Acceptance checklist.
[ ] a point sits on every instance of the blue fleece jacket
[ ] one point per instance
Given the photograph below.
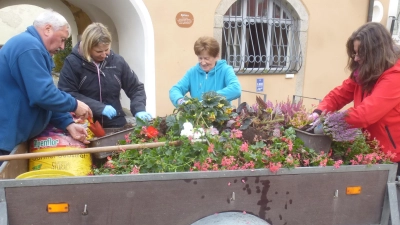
(221, 79)
(29, 100)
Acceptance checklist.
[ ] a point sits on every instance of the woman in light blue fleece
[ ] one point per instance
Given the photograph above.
(210, 74)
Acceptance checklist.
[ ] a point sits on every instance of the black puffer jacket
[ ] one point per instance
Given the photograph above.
(80, 78)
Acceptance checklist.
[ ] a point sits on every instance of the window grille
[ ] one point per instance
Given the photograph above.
(261, 36)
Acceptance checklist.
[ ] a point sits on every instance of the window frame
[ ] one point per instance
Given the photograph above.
(241, 42)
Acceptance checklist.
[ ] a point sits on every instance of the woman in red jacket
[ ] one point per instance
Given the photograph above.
(373, 85)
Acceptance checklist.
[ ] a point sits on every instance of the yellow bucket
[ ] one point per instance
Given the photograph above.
(46, 173)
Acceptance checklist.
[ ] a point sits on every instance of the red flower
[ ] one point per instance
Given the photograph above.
(151, 132)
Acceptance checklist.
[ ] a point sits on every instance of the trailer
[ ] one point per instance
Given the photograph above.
(349, 195)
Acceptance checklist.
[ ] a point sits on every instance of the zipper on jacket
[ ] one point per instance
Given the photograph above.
(390, 137)
(119, 82)
(82, 81)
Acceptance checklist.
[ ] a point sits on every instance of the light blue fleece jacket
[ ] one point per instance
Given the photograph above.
(221, 79)
(29, 100)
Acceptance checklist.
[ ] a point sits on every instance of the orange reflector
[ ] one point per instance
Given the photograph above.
(58, 208)
(355, 190)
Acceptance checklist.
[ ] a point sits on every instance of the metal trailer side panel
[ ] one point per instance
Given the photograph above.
(299, 196)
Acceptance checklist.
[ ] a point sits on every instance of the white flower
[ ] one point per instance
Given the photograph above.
(188, 126)
(187, 130)
(198, 133)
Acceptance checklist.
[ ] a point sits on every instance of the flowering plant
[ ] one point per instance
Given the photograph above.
(212, 136)
(213, 111)
(361, 150)
(226, 151)
(335, 126)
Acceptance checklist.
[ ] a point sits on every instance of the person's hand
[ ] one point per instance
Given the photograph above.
(143, 116)
(109, 111)
(83, 111)
(181, 101)
(314, 116)
(78, 132)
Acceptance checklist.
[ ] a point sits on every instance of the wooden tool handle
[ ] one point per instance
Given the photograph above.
(86, 150)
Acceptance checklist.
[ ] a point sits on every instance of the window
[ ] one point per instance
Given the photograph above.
(261, 36)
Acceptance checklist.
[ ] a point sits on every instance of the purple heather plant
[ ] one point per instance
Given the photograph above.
(287, 109)
(268, 103)
(337, 128)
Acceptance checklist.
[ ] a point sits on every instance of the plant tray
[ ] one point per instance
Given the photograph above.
(318, 142)
(113, 135)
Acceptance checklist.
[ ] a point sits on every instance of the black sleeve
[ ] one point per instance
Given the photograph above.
(134, 89)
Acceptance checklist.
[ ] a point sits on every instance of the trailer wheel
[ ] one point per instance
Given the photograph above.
(231, 218)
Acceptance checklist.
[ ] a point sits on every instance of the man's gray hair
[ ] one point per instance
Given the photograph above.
(55, 19)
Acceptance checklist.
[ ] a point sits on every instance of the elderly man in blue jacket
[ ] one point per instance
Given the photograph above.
(29, 100)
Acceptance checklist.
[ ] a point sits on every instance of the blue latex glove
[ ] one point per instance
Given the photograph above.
(144, 116)
(109, 111)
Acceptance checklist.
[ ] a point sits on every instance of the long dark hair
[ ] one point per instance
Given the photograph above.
(377, 52)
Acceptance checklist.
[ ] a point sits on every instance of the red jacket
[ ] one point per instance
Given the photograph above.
(377, 112)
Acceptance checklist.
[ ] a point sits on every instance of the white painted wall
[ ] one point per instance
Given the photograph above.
(26, 4)
(15, 19)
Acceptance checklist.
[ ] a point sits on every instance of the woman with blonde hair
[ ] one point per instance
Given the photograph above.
(94, 74)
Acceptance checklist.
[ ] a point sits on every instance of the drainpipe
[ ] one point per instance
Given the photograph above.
(370, 10)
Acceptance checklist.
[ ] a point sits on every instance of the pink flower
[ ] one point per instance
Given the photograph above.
(227, 161)
(210, 148)
(127, 140)
(135, 170)
(289, 159)
(353, 162)
(236, 133)
(323, 162)
(213, 131)
(338, 163)
(306, 162)
(205, 166)
(196, 165)
(215, 167)
(244, 147)
(274, 167)
(109, 164)
(359, 157)
(290, 144)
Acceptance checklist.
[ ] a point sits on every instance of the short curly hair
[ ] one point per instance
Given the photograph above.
(208, 44)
